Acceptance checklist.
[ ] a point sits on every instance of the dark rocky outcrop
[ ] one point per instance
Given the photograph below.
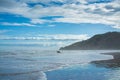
(111, 63)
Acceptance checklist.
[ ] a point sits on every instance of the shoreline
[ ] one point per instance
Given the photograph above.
(111, 63)
(94, 70)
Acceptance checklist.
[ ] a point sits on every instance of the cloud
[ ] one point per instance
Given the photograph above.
(46, 40)
(52, 37)
(4, 31)
(38, 21)
(17, 24)
(74, 11)
(51, 25)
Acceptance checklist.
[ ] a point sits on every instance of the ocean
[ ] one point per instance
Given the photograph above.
(38, 60)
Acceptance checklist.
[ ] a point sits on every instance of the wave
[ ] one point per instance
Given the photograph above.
(40, 75)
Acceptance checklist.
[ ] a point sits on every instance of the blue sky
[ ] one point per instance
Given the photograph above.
(29, 18)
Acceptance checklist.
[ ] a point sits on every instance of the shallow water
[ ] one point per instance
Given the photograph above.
(84, 72)
(33, 63)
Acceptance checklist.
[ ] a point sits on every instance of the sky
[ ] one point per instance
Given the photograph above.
(58, 19)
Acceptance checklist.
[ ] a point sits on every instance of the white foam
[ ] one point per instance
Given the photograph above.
(42, 76)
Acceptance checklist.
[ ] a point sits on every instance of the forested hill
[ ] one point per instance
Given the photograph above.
(110, 40)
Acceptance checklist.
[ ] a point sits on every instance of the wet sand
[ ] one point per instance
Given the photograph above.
(111, 63)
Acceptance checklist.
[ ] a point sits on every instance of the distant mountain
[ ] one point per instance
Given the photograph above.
(110, 40)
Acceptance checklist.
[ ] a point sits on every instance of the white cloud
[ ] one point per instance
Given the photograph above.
(38, 21)
(52, 37)
(65, 36)
(51, 25)
(17, 24)
(46, 40)
(4, 31)
(74, 11)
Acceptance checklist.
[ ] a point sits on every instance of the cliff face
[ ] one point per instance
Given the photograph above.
(110, 40)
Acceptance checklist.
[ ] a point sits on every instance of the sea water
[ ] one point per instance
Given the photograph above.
(28, 60)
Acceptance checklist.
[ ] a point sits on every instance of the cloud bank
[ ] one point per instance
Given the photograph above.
(44, 40)
(4, 31)
(74, 11)
(51, 37)
(17, 24)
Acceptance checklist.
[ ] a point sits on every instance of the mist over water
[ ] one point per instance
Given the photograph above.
(32, 60)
